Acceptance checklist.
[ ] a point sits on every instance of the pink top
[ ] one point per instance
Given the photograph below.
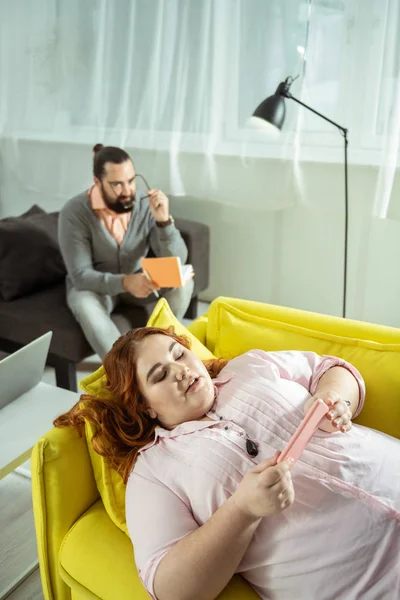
(116, 223)
(341, 537)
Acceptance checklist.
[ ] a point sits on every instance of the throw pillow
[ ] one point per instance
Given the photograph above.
(30, 257)
(109, 482)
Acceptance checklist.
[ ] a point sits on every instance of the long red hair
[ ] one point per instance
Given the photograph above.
(122, 424)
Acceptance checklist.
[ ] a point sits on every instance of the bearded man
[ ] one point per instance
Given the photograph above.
(103, 234)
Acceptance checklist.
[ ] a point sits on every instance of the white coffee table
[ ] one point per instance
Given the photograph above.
(22, 423)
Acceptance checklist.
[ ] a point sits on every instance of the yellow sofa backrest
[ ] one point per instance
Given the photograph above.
(236, 326)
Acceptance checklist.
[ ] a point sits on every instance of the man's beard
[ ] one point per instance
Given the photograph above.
(124, 204)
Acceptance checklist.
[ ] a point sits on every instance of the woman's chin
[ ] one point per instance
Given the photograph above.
(206, 406)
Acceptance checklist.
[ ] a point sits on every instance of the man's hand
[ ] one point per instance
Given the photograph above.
(159, 205)
(138, 285)
(339, 416)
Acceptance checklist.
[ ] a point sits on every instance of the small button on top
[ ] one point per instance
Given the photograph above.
(361, 495)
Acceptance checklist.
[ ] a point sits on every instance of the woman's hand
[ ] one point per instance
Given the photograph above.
(265, 489)
(339, 416)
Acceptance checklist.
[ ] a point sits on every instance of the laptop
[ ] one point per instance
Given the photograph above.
(23, 370)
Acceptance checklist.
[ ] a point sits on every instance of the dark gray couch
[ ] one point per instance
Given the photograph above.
(30, 312)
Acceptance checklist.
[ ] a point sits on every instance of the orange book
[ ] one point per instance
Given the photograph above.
(167, 272)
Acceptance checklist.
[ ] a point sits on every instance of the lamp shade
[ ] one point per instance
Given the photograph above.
(272, 110)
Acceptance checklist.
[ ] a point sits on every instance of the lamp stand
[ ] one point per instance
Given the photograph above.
(283, 90)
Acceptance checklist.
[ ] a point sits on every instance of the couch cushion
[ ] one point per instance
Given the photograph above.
(163, 317)
(30, 258)
(95, 554)
(109, 483)
(237, 331)
(302, 318)
(99, 556)
(24, 319)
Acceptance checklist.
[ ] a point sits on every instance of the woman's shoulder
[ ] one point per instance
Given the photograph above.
(247, 358)
(141, 471)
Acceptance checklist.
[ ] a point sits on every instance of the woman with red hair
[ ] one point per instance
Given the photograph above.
(197, 444)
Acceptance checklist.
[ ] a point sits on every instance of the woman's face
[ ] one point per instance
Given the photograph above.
(173, 380)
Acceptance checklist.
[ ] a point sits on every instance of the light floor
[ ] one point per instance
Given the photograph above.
(17, 534)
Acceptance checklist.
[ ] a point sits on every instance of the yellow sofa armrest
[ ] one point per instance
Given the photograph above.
(63, 488)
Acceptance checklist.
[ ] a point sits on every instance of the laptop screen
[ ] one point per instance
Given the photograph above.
(22, 370)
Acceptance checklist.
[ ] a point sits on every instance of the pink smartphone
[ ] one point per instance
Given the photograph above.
(304, 432)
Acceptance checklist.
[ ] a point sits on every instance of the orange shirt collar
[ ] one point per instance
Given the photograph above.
(96, 199)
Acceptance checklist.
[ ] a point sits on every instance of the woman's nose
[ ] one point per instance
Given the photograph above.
(181, 372)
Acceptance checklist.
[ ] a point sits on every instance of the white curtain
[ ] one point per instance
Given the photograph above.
(182, 77)
(387, 114)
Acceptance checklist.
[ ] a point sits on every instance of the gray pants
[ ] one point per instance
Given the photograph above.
(93, 312)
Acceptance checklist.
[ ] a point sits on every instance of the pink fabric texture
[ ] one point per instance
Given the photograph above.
(115, 223)
(341, 537)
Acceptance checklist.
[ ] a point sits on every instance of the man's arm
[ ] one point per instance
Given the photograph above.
(167, 241)
(76, 249)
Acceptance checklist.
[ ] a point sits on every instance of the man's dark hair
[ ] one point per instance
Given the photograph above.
(105, 154)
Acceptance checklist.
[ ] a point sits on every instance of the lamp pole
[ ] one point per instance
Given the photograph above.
(272, 110)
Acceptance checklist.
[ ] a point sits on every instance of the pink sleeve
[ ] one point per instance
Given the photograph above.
(307, 368)
(156, 519)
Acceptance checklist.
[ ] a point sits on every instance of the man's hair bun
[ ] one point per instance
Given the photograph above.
(97, 147)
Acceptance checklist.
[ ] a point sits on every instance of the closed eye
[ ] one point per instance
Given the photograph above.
(163, 376)
(164, 372)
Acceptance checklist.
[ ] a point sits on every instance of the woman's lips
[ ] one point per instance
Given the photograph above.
(195, 386)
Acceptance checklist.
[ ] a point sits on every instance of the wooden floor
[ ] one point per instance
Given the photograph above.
(17, 538)
(30, 589)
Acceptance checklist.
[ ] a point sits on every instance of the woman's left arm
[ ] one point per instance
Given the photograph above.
(329, 378)
(340, 390)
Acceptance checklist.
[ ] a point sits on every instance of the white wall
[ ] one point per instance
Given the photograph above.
(292, 257)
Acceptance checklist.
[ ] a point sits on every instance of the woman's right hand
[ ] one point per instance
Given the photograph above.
(265, 489)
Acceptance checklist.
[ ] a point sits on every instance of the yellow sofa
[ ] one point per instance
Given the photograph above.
(82, 554)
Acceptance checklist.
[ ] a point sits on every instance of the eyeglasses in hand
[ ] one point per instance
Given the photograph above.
(145, 183)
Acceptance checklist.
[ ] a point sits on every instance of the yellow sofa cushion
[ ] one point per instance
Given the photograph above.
(236, 331)
(97, 557)
(163, 317)
(109, 483)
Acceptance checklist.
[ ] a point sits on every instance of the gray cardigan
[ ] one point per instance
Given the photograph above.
(93, 258)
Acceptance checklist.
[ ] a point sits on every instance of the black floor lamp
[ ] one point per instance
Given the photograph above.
(273, 111)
